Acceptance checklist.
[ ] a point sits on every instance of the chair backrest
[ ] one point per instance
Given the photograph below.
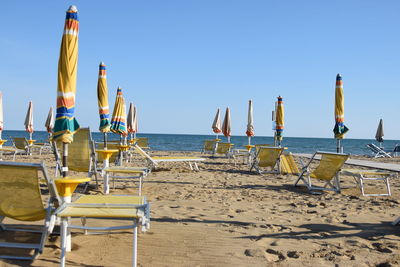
(268, 156)
(209, 145)
(374, 148)
(20, 142)
(80, 151)
(257, 146)
(288, 165)
(143, 142)
(223, 148)
(20, 194)
(329, 165)
(141, 152)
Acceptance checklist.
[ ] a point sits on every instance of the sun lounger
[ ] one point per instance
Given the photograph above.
(378, 152)
(11, 150)
(327, 171)
(369, 175)
(288, 165)
(267, 157)
(21, 199)
(154, 161)
(224, 149)
(22, 144)
(143, 142)
(210, 146)
(133, 208)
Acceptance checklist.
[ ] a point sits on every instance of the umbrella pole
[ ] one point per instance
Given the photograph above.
(229, 139)
(120, 150)
(380, 144)
(65, 160)
(339, 148)
(249, 138)
(105, 140)
(30, 136)
(0, 134)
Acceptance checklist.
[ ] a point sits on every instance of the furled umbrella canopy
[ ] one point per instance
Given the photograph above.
(340, 129)
(1, 114)
(102, 97)
(250, 125)
(66, 125)
(29, 120)
(379, 132)
(226, 125)
(216, 126)
(132, 122)
(49, 124)
(118, 120)
(280, 120)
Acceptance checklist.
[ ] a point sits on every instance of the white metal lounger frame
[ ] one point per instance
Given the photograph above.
(379, 152)
(361, 175)
(153, 162)
(144, 220)
(46, 229)
(142, 173)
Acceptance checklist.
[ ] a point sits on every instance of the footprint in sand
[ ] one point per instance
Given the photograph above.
(274, 255)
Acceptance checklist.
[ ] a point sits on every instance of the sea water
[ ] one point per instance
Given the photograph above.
(189, 142)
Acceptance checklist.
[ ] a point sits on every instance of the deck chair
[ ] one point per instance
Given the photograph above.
(22, 144)
(143, 142)
(327, 171)
(210, 146)
(11, 151)
(288, 165)
(154, 161)
(369, 175)
(114, 157)
(133, 208)
(267, 157)
(81, 156)
(379, 152)
(224, 149)
(21, 199)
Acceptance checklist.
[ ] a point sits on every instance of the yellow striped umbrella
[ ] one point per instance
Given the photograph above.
(102, 99)
(340, 129)
(66, 124)
(280, 120)
(118, 120)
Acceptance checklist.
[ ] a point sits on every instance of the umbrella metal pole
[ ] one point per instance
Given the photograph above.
(105, 140)
(30, 136)
(229, 139)
(65, 160)
(338, 146)
(249, 138)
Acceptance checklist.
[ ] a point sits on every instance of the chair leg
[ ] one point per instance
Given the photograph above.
(140, 185)
(134, 252)
(388, 186)
(64, 226)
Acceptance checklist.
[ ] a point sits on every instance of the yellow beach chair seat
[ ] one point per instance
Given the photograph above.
(209, 146)
(267, 157)
(327, 171)
(288, 165)
(225, 149)
(21, 199)
(143, 142)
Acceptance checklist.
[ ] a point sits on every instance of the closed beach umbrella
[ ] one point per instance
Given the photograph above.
(340, 129)
(118, 120)
(216, 126)
(29, 120)
(66, 125)
(280, 120)
(250, 126)
(226, 125)
(49, 124)
(379, 133)
(102, 100)
(132, 122)
(1, 114)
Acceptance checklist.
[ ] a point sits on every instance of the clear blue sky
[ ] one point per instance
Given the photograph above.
(178, 61)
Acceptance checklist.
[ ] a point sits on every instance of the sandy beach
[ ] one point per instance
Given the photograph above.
(225, 215)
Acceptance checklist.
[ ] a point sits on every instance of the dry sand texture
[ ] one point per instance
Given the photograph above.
(226, 216)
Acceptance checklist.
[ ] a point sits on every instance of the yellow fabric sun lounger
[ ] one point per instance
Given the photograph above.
(21, 199)
(288, 165)
(267, 157)
(133, 208)
(327, 171)
(153, 161)
(225, 149)
(210, 146)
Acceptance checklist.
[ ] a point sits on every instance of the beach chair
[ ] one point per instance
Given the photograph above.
(267, 157)
(21, 199)
(143, 142)
(21, 143)
(378, 152)
(11, 151)
(154, 161)
(225, 149)
(369, 175)
(135, 209)
(210, 146)
(327, 171)
(396, 150)
(288, 165)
